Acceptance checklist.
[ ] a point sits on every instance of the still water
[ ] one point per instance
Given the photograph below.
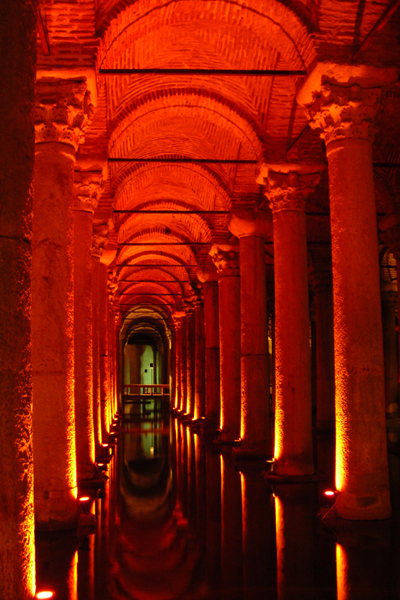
(179, 520)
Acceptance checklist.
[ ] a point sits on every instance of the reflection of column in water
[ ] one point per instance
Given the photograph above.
(184, 484)
(259, 558)
(85, 568)
(191, 477)
(294, 540)
(362, 561)
(57, 564)
(231, 530)
(200, 458)
(213, 520)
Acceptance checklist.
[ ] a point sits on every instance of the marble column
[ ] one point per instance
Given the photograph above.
(178, 319)
(60, 115)
(287, 187)
(325, 376)
(225, 258)
(199, 370)
(98, 241)
(252, 227)
(209, 279)
(87, 187)
(190, 357)
(17, 68)
(342, 104)
(389, 305)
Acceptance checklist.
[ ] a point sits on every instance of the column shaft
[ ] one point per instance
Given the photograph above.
(183, 369)
(255, 417)
(325, 357)
(229, 343)
(212, 358)
(103, 352)
(53, 338)
(190, 362)
(293, 430)
(96, 356)
(199, 385)
(17, 68)
(361, 460)
(83, 229)
(390, 352)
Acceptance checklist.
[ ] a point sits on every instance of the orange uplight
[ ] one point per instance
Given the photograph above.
(329, 493)
(84, 499)
(44, 594)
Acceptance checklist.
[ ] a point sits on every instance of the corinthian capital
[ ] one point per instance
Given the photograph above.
(288, 185)
(345, 112)
(225, 259)
(99, 239)
(343, 101)
(62, 110)
(88, 188)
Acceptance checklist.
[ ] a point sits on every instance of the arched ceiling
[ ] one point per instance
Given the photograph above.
(182, 148)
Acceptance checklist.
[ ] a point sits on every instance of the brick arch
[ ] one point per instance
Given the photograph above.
(167, 280)
(192, 185)
(207, 125)
(266, 19)
(181, 227)
(175, 255)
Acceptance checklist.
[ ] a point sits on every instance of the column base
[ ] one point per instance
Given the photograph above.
(357, 507)
(55, 510)
(248, 450)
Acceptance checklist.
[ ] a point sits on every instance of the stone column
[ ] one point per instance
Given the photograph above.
(208, 277)
(103, 351)
(389, 305)
(344, 107)
(87, 186)
(322, 284)
(190, 357)
(178, 319)
(17, 68)
(98, 241)
(251, 227)
(286, 187)
(61, 112)
(199, 370)
(225, 258)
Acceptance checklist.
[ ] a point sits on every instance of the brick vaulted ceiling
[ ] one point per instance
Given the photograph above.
(196, 116)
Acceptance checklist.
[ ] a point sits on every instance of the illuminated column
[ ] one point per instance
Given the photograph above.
(98, 241)
(322, 284)
(190, 357)
(87, 185)
(345, 114)
(17, 67)
(199, 373)
(60, 114)
(103, 351)
(183, 371)
(208, 277)
(286, 187)
(178, 319)
(225, 258)
(251, 227)
(389, 304)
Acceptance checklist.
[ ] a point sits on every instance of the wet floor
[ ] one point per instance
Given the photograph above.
(179, 520)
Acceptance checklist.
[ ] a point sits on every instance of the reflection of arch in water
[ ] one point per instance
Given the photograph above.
(154, 552)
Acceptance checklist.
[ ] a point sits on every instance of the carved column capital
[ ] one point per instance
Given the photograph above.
(343, 100)
(288, 185)
(62, 111)
(207, 273)
(177, 319)
(99, 240)
(250, 222)
(226, 259)
(345, 112)
(88, 186)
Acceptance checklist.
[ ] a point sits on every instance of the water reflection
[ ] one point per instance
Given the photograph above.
(179, 520)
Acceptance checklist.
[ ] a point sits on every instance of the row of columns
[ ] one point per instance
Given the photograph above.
(71, 392)
(345, 115)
